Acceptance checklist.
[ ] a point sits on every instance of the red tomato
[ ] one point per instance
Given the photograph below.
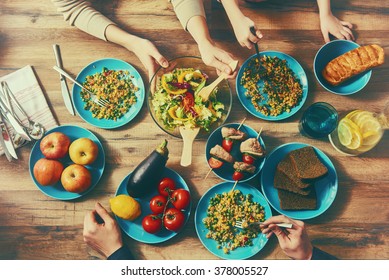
(227, 144)
(152, 223)
(174, 219)
(248, 159)
(214, 163)
(166, 186)
(237, 176)
(180, 199)
(188, 101)
(157, 204)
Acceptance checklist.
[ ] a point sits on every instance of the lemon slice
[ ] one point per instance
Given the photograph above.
(354, 113)
(359, 118)
(371, 138)
(356, 140)
(344, 133)
(369, 125)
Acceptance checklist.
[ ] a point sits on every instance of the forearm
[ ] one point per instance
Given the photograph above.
(187, 9)
(118, 36)
(324, 7)
(197, 27)
(84, 17)
(232, 9)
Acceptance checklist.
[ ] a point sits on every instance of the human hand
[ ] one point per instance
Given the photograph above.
(148, 54)
(218, 58)
(293, 241)
(329, 24)
(246, 32)
(104, 237)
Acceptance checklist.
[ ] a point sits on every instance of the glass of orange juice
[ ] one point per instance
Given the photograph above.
(359, 131)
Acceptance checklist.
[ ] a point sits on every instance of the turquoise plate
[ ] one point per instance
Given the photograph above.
(201, 212)
(327, 53)
(326, 188)
(225, 172)
(134, 228)
(296, 68)
(97, 67)
(96, 168)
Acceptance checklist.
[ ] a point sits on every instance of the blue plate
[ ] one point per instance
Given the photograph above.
(326, 187)
(327, 53)
(298, 71)
(134, 228)
(201, 213)
(96, 168)
(97, 67)
(225, 172)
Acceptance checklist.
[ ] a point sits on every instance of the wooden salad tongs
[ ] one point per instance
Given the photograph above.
(188, 136)
(206, 91)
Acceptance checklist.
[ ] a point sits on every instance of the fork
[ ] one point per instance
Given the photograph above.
(244, 224)
(99, 101)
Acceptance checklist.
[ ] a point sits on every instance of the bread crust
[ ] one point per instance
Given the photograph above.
(352, 63)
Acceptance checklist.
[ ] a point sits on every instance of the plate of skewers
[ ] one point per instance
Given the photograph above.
(235, 152)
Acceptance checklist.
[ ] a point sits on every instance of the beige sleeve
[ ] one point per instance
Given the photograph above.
(82, 15)
(186, 9)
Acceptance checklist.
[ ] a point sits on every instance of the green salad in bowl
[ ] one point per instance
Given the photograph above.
(173, 98)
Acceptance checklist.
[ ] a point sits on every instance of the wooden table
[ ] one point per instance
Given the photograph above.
(35, 226)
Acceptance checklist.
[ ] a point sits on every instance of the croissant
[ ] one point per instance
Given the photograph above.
(352, 63)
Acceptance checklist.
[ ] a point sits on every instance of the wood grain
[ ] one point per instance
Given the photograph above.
(35, 226)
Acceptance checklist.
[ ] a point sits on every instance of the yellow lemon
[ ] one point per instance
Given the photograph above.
(356, 140)
(125, 207)
(371, 138)
(369, 125)
(344, 133)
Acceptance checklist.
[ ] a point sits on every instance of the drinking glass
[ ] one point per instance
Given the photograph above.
(318, 120)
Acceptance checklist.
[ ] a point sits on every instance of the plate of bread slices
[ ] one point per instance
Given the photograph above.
(299, 181)
(344, 67)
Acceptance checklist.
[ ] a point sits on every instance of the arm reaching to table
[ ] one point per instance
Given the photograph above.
(86, 18)
(192, 17)
(104, 236)
(329, 24)
(241, 24)
(293, 241)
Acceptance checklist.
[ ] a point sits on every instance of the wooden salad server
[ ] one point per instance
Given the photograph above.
(188, 136)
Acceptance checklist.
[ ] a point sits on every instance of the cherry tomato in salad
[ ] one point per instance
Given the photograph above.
(173, 219)
(227, 144)
(237, 176)
(166, 186)
(214, 163)
(158, 203)
(188, 102)
(248, 159)
(180, 199)
(152, 223)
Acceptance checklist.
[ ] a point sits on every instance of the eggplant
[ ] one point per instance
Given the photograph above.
(146, 176)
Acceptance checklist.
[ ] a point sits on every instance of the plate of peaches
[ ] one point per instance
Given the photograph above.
(67, 162)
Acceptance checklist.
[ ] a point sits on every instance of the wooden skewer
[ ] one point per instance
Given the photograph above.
(259, 133)
(206, 176)
(236, 182)
(241, 123)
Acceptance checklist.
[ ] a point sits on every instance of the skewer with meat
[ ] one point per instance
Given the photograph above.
(230, 135)
(219, 156)
(241, 168)
(251, 149)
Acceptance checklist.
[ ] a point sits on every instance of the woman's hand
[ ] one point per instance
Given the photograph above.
(293, 241)
(217, 58)
(242, 29)
(329, 24)
(103, 236)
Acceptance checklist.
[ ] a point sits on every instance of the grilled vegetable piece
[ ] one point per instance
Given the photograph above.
(146, 176)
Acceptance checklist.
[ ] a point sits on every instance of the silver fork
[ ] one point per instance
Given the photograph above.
(99, 101)
(244, 224)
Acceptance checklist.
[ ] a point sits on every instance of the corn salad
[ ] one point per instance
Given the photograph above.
(223, 212)
(283, 88)
(116, 87)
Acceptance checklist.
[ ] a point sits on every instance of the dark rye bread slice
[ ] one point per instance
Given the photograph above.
(286, 167)
(281, 181)
(308, 166)
(293, 201)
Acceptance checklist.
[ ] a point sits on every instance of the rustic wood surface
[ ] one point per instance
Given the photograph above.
(35, 226)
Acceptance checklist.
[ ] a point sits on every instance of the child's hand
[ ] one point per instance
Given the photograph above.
(329, 24)
(243, 34)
